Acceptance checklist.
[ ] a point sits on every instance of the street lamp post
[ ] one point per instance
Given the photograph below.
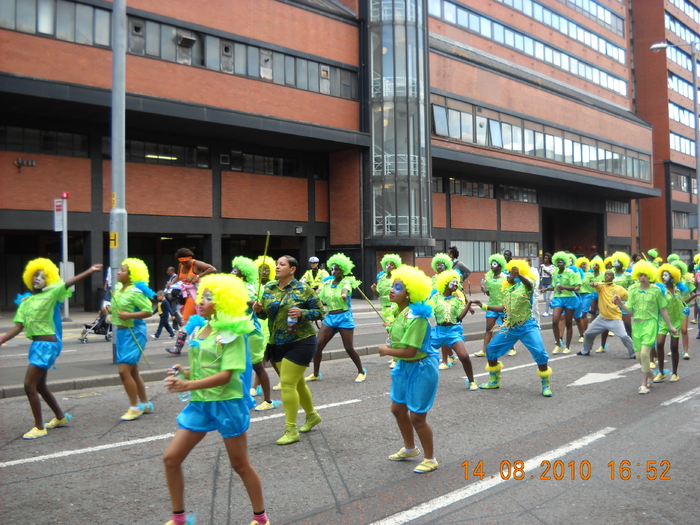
(694, 47)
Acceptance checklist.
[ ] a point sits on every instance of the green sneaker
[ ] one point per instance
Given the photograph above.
(291, 435)
(312, 420)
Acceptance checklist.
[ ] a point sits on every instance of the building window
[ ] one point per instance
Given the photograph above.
(513, 193)
(680, 220)
(438, 185)
(162, 154)
(679, 182)
(471, 189)
(475, 254)
(44, 142)
(520, 249)
(617, 207)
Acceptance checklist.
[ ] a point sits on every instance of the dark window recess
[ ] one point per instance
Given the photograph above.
(44, 142)
(347, 84)
(136, 40)
(237, 160)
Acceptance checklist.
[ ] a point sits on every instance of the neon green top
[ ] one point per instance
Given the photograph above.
(567, 278)
(211, 357)
(624, 279)
(516, 301)
(129, 300)
(645, 304)
(332, 294)
(405, 332)
(675, 304)
(447, 309)
(588, 278)
(494, 288)
(35, 311)
(384, 285)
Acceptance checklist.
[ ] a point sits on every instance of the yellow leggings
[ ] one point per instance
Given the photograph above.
(295, 392)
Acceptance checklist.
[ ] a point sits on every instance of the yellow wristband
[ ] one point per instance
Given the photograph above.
(484, 307)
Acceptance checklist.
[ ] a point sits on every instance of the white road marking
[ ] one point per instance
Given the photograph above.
(682, 398)
(593, 377)
(527, 365)
(141, 441)
(480, 486)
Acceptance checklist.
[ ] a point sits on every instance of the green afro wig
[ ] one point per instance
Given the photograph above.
(390, 257)
(138, 271)
(560, 255)
(581, 261)
(523, 267)
(653, 253)
(50, 271)
(670, 268)
(418, 285)
(247, 267)
(673, 257)
(596, 261)
(444, 279)
(230, 297)
(681, 266)
(267, 261)
(646, 268)
(499, 259)
(343, 262)
(622, 257)
(441, 258)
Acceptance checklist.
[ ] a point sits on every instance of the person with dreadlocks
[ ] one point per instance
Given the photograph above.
(450, 308)
(493, 287)
(219, 379)
(645, 303)
(443, 262)
(414, 379)
(336, 293)
(518, 325)
(245, 269)
(131, 304)
(40, 316)
(565, 284)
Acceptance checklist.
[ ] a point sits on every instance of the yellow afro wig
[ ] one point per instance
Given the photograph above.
(696, 257)
(607, 263)
(581, 261)
(50, 271)
(138, 271)
(444, 279)
(441, 258)
(418, 285)
(596, 261)
(672, 269)
(646, 268)
(267, 261)
(622, 257)
(523, 267)
(230, 297)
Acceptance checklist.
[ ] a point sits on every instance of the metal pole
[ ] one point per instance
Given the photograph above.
(118, 248)
(697, 141)
(64, 249)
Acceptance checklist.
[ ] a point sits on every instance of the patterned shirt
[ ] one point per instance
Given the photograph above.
(567, 278)
(36, 311)
(276, 303)
(446, 309)
(517, 301)
(211, 357)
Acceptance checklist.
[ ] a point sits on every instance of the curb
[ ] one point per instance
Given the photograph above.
(159, 375)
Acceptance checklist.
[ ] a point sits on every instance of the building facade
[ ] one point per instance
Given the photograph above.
(362, 126)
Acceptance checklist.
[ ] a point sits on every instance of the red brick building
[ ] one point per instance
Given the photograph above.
(363, 126)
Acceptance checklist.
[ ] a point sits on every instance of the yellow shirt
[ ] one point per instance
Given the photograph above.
(608, 309)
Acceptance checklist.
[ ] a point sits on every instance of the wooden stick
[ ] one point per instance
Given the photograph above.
(370, 303)
(267, 243)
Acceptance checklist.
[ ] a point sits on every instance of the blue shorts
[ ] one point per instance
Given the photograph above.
(43, 354)
(569, 303)
(127, 350)
(584, 304)
(446, 335)
(414, 383)
(527, 333)
(231, 417)
(497, 315)
(338, 321)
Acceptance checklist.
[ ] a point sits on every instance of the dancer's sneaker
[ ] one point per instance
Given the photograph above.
(147, 408)
(659, 378)
(601, 350)
(402, 455)
(472, 385)
(361, 376)
(451, 360)
(267, 406)
(556, 349)
(36, 433)
(425, 466)
(566, 351)
(291, 435)
(277, 387)
(54, 423)
(512, 351)
(190, 521)
(686, 356)
(132, 414)
(480, 353)
(643, 390)
(312, 377)
(312, 420)
(674, 378)
(580, 339)
(444, 366)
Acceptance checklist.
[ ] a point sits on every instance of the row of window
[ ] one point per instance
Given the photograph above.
(684, 183)
(163, 154)
(680, 29)
(682, 144)
(45, 142)
(679, 57)
(617, 207)
(680, 86)
(599, 14)
(688, 8)
(398, 10)
(498, 130)
(680, 220)
(491, 30)
(278, 166)
(84, 24)
(485, 190)
(566, 27)
(680, 114)
(520, 249)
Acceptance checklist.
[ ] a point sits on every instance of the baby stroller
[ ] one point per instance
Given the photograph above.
(100, 326)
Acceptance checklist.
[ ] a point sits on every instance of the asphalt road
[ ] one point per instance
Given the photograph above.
(99, 469)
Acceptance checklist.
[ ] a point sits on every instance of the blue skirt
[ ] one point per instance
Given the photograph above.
(230, 417)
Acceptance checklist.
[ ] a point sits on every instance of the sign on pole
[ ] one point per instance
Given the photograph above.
(58, 215)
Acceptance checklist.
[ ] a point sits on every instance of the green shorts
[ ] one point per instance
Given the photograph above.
(677, 324)
(644, 333)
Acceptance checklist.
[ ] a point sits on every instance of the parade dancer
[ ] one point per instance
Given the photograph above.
(290, 307)
(131, 304)
(40, 316)
(585, 296)
(450, 309)
(565, 284)
(518, 325)
(219, 369)
(382, 288)
(645, 302)
(610, 317)
(245, 269)
(687, 279)
(441, 263)
(190, 271)
(414, 379)
(493, 287)
(266, 270)
(336, 293)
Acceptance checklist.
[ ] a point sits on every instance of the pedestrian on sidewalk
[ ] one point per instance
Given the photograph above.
(39, 314)
(165, 312)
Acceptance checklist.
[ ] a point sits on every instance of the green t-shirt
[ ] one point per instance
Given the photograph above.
(588, 278)
(405, 332)
(447, 309)
(645, 304)
(516, 301)
(128, 300)
(623, 279)
(276, 303)
(567, 278)
(211, 357)
(494, 288)
(675, 305)
(332, 294)
(35, 311)
(384, 285)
